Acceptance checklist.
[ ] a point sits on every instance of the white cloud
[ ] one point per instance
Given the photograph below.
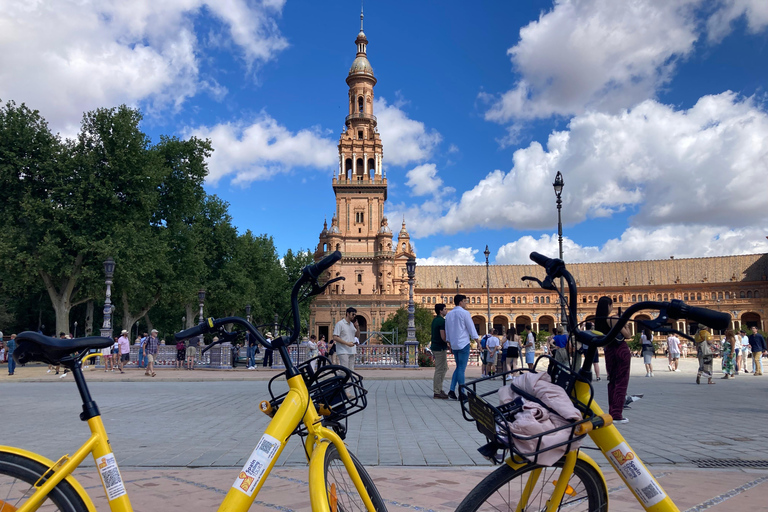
(262, 148)
(695, 167)
(453, 148)
(405, 140)
(721, 21)
(643, 244)
(595, 55)
(424, 180)
(65, 57)
(449, 256)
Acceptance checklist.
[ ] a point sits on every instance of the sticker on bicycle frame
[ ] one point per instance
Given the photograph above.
(256, 466)
(110, 476)
(636, 475)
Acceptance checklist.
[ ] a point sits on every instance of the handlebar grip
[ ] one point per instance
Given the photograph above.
(540, 259)
(321, 266)
(708, 317)
(191, 332)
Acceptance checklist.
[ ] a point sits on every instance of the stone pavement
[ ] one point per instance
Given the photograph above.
(165, 430)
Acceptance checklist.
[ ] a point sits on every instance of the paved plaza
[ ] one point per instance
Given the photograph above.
(176, 437)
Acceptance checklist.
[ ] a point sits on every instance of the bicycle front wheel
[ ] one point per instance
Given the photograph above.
(18, 475)
(505, 489)
(340, 489)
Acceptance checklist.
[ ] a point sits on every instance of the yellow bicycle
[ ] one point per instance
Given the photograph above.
(319, 399)
(575, 482)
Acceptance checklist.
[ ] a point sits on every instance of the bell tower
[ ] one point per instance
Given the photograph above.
(371, 259)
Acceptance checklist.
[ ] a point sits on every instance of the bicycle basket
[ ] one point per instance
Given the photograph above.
(494, 422)
(336, 391)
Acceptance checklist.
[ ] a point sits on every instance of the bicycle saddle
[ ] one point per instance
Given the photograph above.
(33, 346)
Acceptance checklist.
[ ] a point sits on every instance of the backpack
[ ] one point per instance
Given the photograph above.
(484, 341)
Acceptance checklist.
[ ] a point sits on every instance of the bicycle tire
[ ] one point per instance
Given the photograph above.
(347, 498)
(17, 469)
(501, 490)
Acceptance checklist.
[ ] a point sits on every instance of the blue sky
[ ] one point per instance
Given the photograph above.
(654, 111)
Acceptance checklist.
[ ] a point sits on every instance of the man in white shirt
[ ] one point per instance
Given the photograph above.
(745, 350)
(344, 333)
(459, 331)
(673, 349)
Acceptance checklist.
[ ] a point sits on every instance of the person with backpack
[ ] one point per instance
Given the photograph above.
(484, 354)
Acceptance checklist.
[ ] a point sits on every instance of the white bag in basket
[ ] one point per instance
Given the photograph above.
(535, 419)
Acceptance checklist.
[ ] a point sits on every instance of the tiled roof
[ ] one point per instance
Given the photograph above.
(722, 269)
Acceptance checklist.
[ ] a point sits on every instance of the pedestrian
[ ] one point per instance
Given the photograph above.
(10, 347)
(114, 354)
(344, 333)
(530, 347)
(736, 342)
(757, 345)
(618, 359)
(746, 350)
(151, 348)
(560, 346)
(459, 331)
(588, 326)
(235, 352)
(181, 354)
(492, 345)
(252, 347)
(322, 346)
(124, 349)
(439, 349)
(646, 342)
(483, 355)
(513, 350)
(314, 351)
(191, 352)
(729, 371)
(268, 352)
(503, 351)
(704, 353)
(673, 347)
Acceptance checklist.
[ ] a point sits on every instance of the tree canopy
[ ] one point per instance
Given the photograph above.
(67, 205)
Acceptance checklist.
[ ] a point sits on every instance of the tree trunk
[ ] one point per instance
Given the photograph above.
(62, 298)
(149, 323)
(89, 318)
(128, 318)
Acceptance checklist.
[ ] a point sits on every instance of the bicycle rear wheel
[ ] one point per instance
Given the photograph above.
(18, 475)
(340, 489)
(504, 488)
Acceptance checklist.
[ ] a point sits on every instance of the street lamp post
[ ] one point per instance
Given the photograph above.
(109, 272)
(74, 334)
(558, 186)
(457, 285)
(248, 313)
(488, 287)
(183, 323)
(410, 340)
(201, 300)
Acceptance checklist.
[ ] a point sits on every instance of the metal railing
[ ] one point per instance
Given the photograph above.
(360, 115)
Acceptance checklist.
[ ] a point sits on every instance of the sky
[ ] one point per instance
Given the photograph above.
(654, 111)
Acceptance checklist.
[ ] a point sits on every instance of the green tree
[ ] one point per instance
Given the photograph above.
(422, 319)
(293, 264)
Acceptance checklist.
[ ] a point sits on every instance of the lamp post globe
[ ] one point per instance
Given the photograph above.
(201, 300)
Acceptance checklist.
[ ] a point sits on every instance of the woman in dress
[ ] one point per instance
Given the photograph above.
(618, 359)
(646, 339)
(729, 356)
(530, 347)
(181, 354)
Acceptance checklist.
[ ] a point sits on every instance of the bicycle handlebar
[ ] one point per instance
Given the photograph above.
(310, 273)
(675, 309)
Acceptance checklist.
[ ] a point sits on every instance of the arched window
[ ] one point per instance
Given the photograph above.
(749, 294)
(525, 300)
(359, 278)
(501, 300)
(727, 295)
(423, 300)
(666, 297)
(360, 103)
(338, 247)
(685, 297)
(547, 300)
(535, 300)
(621, 298)
(742, 295)
(429, 300)
(658, 297)
(473, 300)
(757, 294)
(698, 296)
(584, 300)
(450, 300)
(434, 301)
(479, 301)
(645, 296)
(634, 298)
(720, 295)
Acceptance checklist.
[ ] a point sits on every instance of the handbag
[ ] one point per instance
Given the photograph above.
(705, 349)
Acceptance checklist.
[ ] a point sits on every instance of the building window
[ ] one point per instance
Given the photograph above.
(621, 299)
(359, 134)
(359, 278)
(535, 300)
(645, 296)
(634, 298)
(742, 295)
(501, 300)
(359, 291)
(423, 300)
(698, 296)
(359, 217)
(360, 104)
(749, 294)
(525, 300)
(450, 300)
(685, 297)
(666, 297)
(727, 295)
(757, 294)
(429, 300)
(434, 300)
(584, 300)
(472, 300)
(547, 300)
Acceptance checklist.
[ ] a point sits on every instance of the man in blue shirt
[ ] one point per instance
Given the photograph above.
(10, 347)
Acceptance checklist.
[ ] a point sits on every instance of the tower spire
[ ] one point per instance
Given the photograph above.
(361, 16)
